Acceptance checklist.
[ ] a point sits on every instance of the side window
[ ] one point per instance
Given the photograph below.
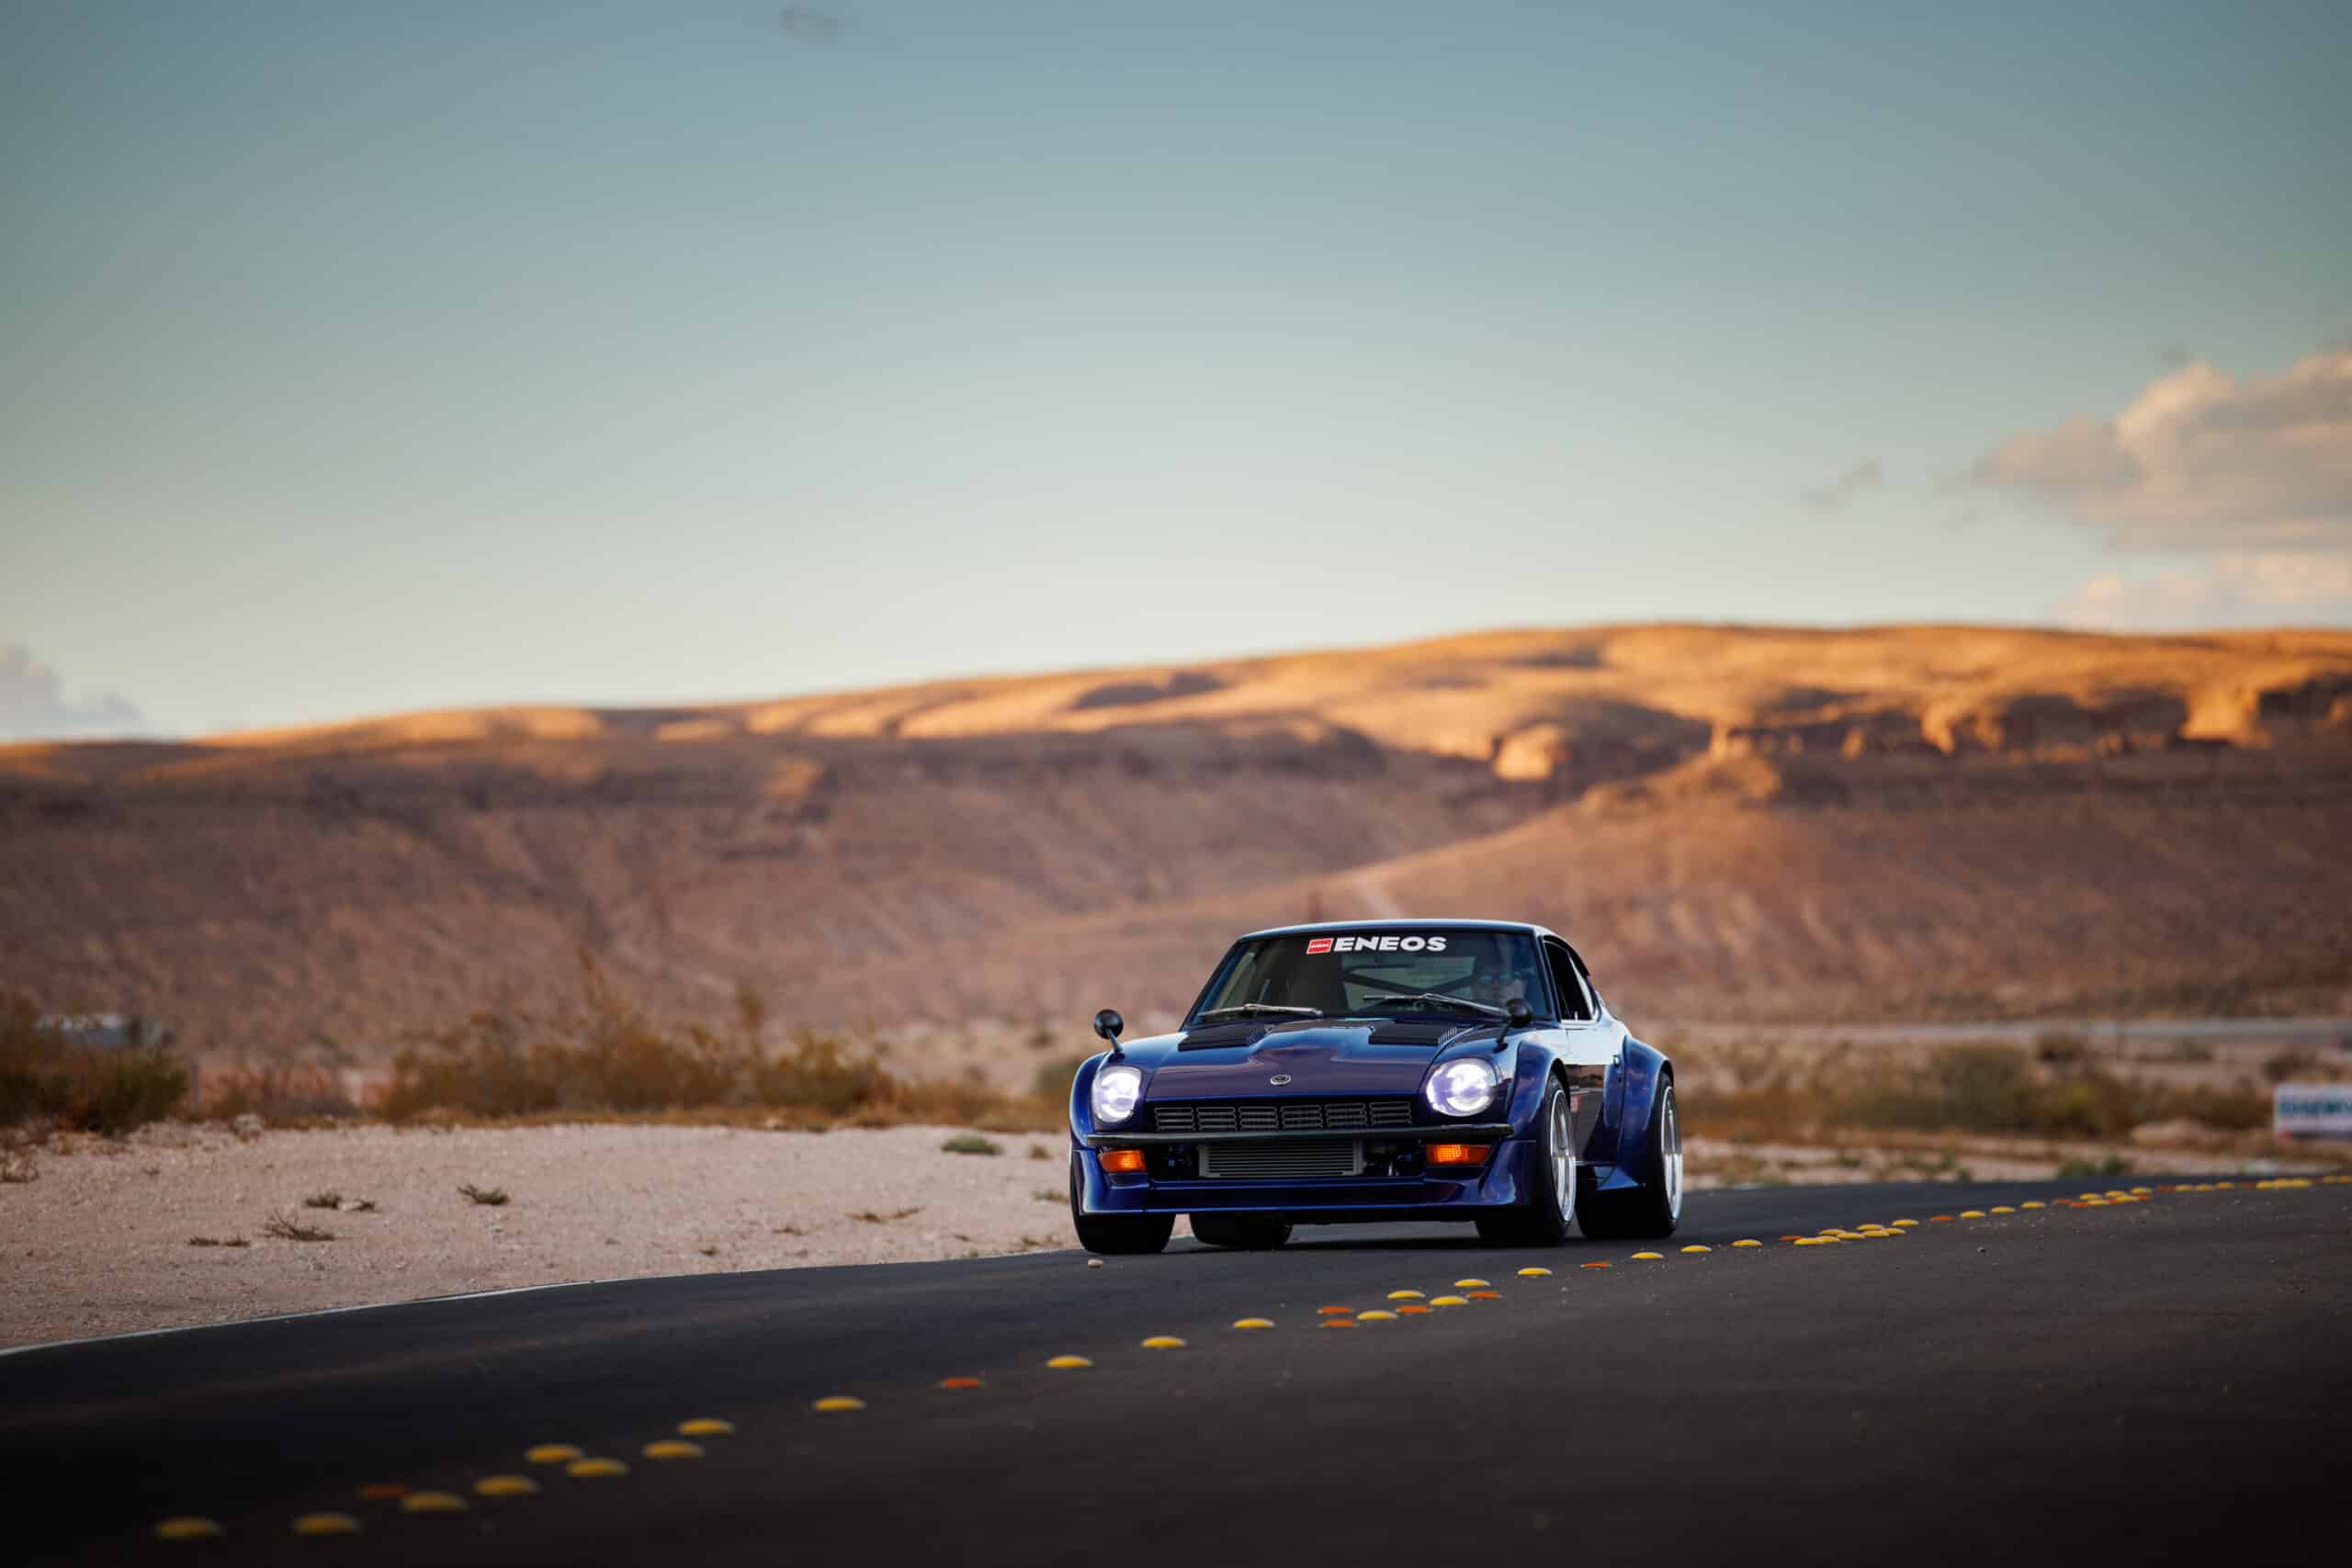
(1591, 985)
(1566, 981)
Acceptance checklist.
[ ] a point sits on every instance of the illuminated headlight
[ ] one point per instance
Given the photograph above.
(1462, 1087)
(1116, 1089)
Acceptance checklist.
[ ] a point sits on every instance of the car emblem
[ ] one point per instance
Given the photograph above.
(1279, 1079)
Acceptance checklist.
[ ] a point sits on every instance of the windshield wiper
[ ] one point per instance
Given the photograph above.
(1252, 1010)
(1436, 1000)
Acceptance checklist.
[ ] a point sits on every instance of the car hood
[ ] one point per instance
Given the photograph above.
(1240, 1061)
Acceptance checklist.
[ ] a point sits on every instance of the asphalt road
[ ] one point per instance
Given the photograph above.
(2159, 1381)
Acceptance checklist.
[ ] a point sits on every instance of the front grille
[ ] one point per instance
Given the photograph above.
(1304, 1160)
(1280, 1115)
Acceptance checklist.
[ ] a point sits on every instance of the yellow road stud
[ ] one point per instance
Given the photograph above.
(550, 1453)
(1972, 1213)
(433, 1502)
(1254, 1323)
(842, 1403)
(2033, 1204)
(673, 1448)
(706, 1427)
(1746, 1242)
(1068, 1364)
(186, 1527)
(506, 1487)
(1644, 1257)
(1404, 1296)
(326, 1524)
(1472, 1284)
(1375, 1315)
(1697, 1249)
(1535, 1273)
(1164, 1342)
(1448, 1301)
(1903, 1225)
(594, 1469)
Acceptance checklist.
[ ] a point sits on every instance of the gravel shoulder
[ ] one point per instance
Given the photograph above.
(100, 1243)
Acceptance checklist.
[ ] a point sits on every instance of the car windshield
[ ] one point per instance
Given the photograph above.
(1377, 974)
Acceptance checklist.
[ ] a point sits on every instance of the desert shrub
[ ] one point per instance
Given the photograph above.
(971, 1144)
(44, 1077)
(613, 1057)
(278, 1092)
(817, 1074)
(2060, 1048)
(1052, 1079)
(2287, 1065)
(1977, 1088)
(484, 1066)
(2076, 1170)
(1966, 1089)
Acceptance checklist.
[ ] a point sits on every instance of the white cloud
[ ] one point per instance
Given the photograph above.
(1840, 493)
(2201, 460)
(33, 704)
(2233, 588)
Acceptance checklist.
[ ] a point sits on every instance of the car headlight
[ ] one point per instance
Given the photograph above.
(1116, 1089)
(1462, 1087)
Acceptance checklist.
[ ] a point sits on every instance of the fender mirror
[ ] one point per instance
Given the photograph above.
(1108, 1024)
(1521, 1015)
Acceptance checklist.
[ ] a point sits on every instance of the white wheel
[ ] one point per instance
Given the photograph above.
(1669, 1140)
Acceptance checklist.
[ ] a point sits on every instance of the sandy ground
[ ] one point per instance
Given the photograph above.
(100, 1239)
(99, 1243)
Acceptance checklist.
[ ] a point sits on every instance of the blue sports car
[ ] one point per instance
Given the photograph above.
(1385, 1070)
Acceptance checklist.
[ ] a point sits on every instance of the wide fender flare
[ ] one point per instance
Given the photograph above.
(1642, 1069)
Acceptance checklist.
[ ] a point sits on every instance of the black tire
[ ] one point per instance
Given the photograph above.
(1539, 1222)
(1116, 1235)
(1650, 1212)
(1242, 1233)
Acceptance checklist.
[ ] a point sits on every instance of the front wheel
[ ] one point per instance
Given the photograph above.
(1650, 1212)
(1543, 1219)
(1115, 1234)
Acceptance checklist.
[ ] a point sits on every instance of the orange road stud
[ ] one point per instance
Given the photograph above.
(959, 1382)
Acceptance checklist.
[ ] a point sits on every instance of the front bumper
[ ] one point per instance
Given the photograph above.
(1501, 1182)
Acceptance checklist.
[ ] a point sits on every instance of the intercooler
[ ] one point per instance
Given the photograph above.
(1282, 1159)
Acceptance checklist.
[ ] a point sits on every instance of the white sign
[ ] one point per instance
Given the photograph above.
(2311, 1111)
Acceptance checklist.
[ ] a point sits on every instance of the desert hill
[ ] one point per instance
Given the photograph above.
(1731, 821)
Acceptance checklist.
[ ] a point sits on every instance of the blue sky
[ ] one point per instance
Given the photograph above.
(362, 357)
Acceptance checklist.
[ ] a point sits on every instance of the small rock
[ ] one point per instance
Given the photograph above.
(1095, 1263)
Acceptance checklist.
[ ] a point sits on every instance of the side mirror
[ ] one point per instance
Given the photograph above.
(1108, 1024)
(1521, 1015)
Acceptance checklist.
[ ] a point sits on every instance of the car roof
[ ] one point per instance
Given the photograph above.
(1524, 926)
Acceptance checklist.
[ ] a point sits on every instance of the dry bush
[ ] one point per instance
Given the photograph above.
(613, 1057)
(286, 1227)
(77, 1087)
(971, 1143)
(280, 1094)
(1989, 1090)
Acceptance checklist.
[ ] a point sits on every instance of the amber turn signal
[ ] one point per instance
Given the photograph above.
(1459, 1153)
(1125, 1161)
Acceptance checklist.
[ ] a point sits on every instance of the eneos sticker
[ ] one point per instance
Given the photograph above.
(1375, 944)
